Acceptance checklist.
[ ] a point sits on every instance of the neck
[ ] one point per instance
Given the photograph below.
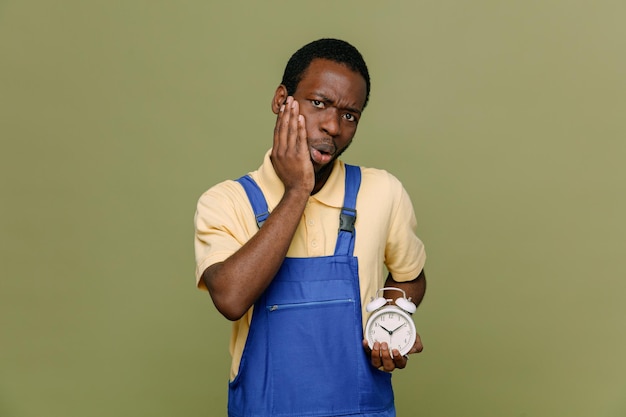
(321, 177)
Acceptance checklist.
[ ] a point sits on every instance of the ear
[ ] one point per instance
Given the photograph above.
(280, 96)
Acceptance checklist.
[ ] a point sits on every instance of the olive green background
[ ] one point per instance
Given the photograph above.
(504, 120)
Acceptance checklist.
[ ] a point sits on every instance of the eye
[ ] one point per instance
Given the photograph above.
(318, 104)
(350, 117)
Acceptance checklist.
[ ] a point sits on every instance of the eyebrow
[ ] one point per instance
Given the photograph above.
(328, 100)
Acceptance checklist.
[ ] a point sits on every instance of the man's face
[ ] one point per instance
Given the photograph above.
(331, 98)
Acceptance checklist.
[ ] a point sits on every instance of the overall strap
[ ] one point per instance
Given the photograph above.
(347, 217)
(257, 199)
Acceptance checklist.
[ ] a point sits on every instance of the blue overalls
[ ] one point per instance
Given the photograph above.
(303, 355)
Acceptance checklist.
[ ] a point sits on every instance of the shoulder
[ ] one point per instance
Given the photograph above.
(381, 182)
(225, 191)
(383, 194)
(223, 199)
(225, 211)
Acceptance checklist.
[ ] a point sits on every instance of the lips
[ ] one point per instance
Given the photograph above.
(322, 153)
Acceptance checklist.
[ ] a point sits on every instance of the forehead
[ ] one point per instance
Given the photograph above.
(335, 81)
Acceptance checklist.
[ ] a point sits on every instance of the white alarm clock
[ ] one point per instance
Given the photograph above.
(390, 323)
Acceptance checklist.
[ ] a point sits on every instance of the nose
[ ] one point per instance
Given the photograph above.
(330, 123)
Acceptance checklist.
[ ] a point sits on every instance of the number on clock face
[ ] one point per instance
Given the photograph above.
(394, 329)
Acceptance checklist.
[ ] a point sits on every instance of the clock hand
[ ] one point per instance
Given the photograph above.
(390, 332)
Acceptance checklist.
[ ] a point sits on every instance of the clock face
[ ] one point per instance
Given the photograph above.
(393, 326)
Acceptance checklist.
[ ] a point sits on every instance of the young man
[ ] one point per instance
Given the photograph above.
(293, 252)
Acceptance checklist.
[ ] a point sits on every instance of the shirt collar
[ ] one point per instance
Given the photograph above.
(331, 193)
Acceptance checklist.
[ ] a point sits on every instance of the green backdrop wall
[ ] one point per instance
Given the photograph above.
(504, 120)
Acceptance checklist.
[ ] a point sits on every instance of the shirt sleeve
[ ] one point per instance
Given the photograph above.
(404, 251)
(224, 222)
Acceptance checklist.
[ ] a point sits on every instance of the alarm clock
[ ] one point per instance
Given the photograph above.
(391, 323)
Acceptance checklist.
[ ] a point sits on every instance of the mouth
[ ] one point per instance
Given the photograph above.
(322, 153)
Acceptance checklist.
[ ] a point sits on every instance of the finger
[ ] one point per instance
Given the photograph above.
(277, 128)
(376, 359)
(366, 346)
(399, 360)
(385, 356)
(303, 143)
(418, 346)
(293, 127)
(282, 127)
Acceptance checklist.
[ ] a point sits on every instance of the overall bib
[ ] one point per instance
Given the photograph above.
(303, 355)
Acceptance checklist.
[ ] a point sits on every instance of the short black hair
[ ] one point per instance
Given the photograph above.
(327, 48)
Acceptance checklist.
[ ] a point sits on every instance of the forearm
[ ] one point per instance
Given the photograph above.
(236, 283)
(414, 289)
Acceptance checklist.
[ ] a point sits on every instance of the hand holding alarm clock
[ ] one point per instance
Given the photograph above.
(391, 324)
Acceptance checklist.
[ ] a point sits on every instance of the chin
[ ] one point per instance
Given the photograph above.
(321, 170)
